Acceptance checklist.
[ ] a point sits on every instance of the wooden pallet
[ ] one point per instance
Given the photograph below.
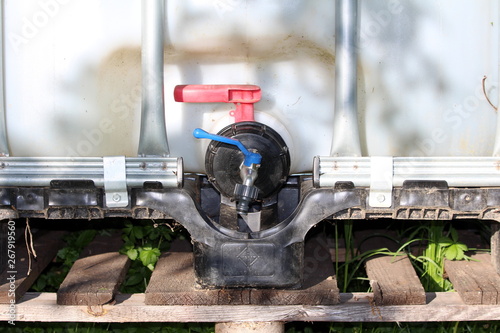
(173, 283)
(89, 293)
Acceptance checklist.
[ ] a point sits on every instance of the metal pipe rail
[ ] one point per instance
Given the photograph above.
(115, 174)
(382, 174)
(456, 171)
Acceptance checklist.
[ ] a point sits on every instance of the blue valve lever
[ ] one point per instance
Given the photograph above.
(250, 158)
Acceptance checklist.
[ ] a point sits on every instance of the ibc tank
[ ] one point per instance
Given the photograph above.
(73, 75)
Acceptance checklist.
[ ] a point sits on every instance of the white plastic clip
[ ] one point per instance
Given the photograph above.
(382, 171)
(115, 181)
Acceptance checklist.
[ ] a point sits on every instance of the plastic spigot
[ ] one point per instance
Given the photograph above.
(250, 157)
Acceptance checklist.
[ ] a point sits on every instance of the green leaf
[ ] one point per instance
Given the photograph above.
(68, 255)
(165, 232)
(128, 227)
(132, 254)
(462, 246)
(104, 232)
(460, 254)
(84, 238)
(149, 256)
(168, 235)
(445, 241)
(455, 251)
(154, 234)
(137, 232)
(126, 247)
(134, 279)
(451, 253)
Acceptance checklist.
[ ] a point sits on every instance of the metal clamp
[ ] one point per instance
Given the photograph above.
(381, 185)
(115, 181)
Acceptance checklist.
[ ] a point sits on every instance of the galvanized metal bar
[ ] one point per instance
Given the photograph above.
(456, 171)
(4, 146)
(153, 135)
(345, 140)
(33, 171)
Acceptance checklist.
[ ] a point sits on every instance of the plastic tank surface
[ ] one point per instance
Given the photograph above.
(73, 75)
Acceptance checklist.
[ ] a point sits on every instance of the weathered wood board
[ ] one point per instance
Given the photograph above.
(394, 281)
(477, 281)
(353, 307)
(95, 277)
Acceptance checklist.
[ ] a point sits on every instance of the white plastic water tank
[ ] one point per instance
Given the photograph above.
(73, 74)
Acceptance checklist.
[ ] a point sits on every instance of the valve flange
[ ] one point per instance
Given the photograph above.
(223, 161)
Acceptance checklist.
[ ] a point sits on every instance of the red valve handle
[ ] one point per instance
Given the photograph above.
(242, 95)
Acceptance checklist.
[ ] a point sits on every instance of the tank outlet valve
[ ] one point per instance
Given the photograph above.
(243, 96)
(245, 192)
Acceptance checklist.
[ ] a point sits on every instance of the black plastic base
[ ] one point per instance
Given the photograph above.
(250, 263)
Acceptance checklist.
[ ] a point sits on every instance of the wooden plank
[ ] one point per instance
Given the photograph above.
(394, 281)
(173, 283)
(95, 277)
(46, 245)
(357, 307)
(251, 327)
(477, 282)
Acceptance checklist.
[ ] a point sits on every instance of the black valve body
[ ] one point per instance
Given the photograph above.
(222, 161)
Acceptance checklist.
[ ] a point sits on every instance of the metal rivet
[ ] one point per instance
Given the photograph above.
(116, 197)
(381, 198)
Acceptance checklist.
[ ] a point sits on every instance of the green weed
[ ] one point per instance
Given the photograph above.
(143, 244)
(54, 275)
(427, 244)
(440, 242)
